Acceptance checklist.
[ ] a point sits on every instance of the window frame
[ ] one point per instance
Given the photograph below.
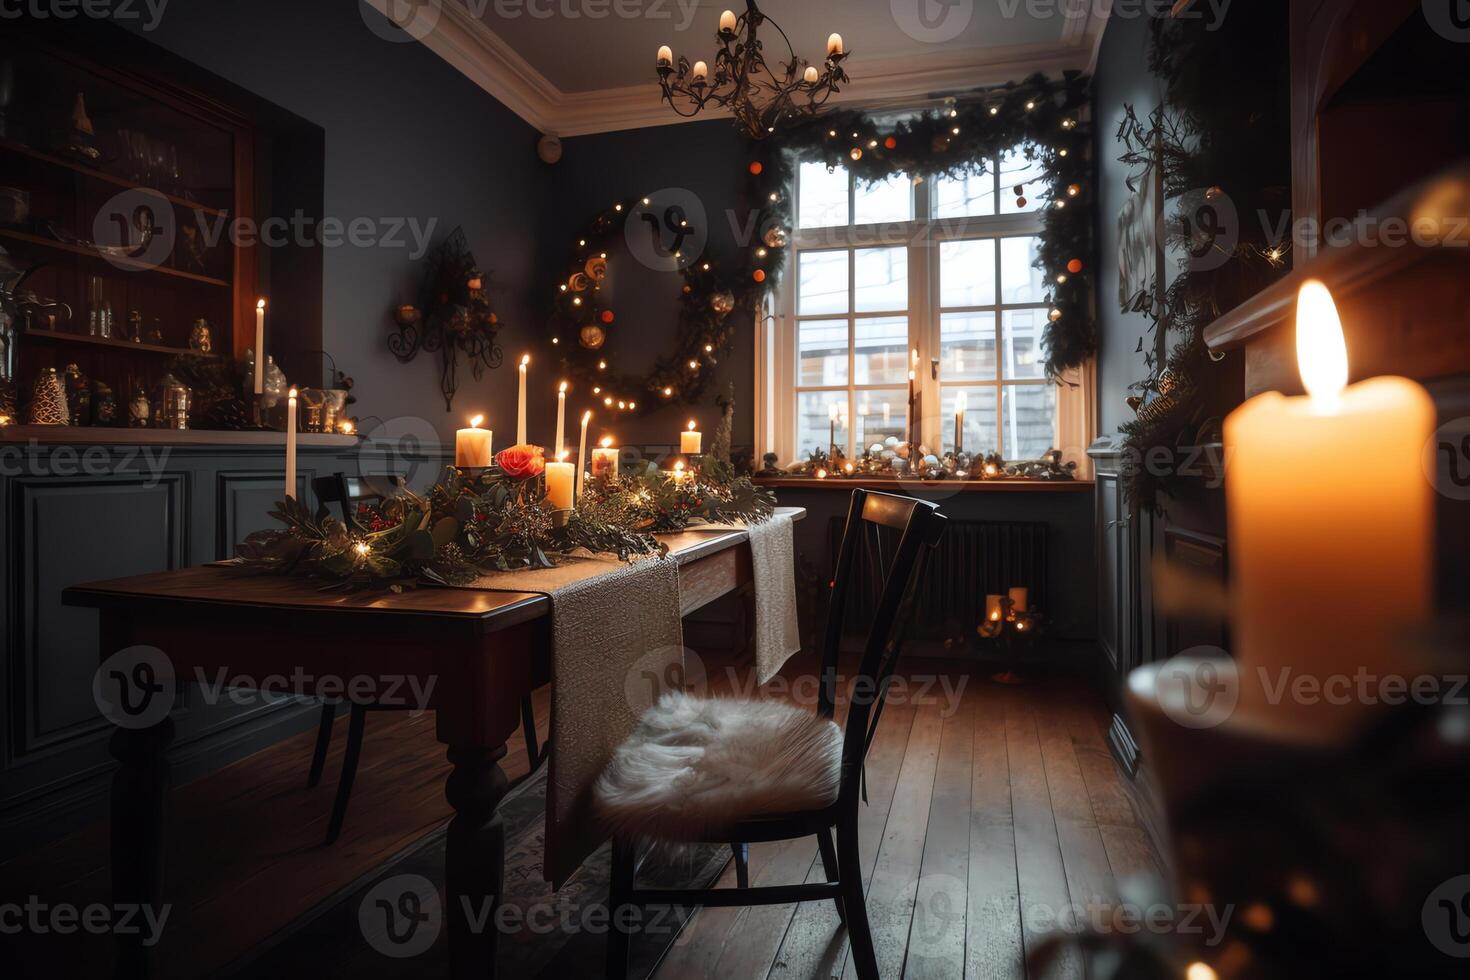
(777, 362)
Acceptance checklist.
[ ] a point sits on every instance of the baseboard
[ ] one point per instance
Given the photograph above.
(1124, 746)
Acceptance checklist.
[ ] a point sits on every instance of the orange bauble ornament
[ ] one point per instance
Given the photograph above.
(1075, 266)
(756, 168)
(890, 143)
(607, 316)
(759, 275)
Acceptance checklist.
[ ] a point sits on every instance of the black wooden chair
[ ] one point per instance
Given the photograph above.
(348, 492)
(918, 526)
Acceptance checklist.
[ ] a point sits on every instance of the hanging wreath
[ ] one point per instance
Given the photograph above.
(1043, 115)
(585, 329)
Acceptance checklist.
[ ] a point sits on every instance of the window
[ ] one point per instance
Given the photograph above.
(938, 269)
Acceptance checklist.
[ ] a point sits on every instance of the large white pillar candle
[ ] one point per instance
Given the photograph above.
(690, 440)
(1331, 531)
(605, 459)
(472, 445)
(560, 477)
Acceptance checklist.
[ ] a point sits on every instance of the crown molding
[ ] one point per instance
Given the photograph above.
(482, 56)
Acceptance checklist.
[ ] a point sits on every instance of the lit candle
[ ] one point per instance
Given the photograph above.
(521, 404)
(832, 427)
(727, 22)
(994, 608)
(582, 451)
(700, 70)
(690, 440)
(834, 44)
(665, 56)
(810, 75)
(290, 441)
(560, 477)
(561, 419)
(1329, 562)
(259, 347)
(886, 414)
(605, 459)
(679, 473)
(472, 446)
(960, 403)
(1019, 596)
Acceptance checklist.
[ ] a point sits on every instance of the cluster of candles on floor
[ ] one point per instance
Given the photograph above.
(473, 448)
(1013, 607)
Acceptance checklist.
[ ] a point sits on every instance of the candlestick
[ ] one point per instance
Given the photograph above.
(605, 459)
(291, 442)
(831, 430)
(521, 404)
(960, 403)
(561, 418)
(259, 369)
(582, 451)
(1329, 563)
(690, 440)
(834, 44)
(560, 477)
(472, 445)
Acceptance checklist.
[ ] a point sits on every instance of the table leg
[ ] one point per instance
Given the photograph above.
(474, 858)
(139, 796)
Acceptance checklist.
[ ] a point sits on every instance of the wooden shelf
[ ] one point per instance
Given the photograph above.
(909, 486)
(31, 153)
(74, 435)
(116, 261)
(81, 338)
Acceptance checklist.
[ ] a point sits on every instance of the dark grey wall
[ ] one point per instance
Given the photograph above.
(708, 159)
(1121, 77)
(407, 137)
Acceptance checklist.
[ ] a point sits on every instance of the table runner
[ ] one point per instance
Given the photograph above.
(617, 639)
(773, 576)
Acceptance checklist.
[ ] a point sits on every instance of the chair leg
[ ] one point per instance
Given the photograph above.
(850, 874)
(617, 896)
(528, 728)
(829, 866)
(323, 742)
(741, 853)
(349, 772)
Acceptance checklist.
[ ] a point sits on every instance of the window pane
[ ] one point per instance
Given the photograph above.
(887, 200)
(821, 196)
(814, 420)
(967, 347)
(823, 278)
(880, 413)
(1021, 343)
(979, 422)
(882, 279)
(821, 353)
(967, 273)
(881, 355)
(1030, 413)
(959, 197)
(1016, 171)
(1020, 281)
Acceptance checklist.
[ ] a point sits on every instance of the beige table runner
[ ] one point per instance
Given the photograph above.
(617, 641)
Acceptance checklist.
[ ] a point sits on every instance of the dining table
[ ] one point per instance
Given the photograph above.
(478, 653)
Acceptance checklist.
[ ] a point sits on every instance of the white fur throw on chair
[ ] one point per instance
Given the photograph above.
(695, 767)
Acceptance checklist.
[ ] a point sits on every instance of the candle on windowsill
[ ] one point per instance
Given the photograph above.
(560, 477)
(290, 441)
(961, 401)
(690, 440)
(1329, 562)
(605, 459)
(472, 446)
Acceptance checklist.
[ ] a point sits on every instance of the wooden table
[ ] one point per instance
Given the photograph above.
(484, 651)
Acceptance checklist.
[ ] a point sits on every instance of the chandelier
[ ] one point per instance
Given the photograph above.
(742, 82)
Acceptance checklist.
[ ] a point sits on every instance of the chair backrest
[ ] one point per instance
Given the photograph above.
(918, 525)
(349, 491)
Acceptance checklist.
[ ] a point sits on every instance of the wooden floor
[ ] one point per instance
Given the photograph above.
(988, 815)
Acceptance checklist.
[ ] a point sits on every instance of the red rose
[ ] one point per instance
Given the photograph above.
(521, 462)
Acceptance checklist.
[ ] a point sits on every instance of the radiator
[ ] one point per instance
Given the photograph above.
(974, 559)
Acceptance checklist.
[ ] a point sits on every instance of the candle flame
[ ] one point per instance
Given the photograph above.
(586, 417)
(561, 456)
(292, 393)
(260, 304)
(961, 402)
(475, 422)
(563, 389)
(606, 442)
(691, 425)
(679, 466)
(525, 359)
(1321, 351)
(347, 427)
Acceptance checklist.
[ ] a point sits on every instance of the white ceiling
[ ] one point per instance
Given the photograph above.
(580, 54)
(568, 72)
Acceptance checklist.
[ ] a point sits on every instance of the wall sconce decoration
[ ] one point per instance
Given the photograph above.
(452, 317)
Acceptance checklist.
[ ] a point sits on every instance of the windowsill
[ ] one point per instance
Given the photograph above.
(844, 484)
